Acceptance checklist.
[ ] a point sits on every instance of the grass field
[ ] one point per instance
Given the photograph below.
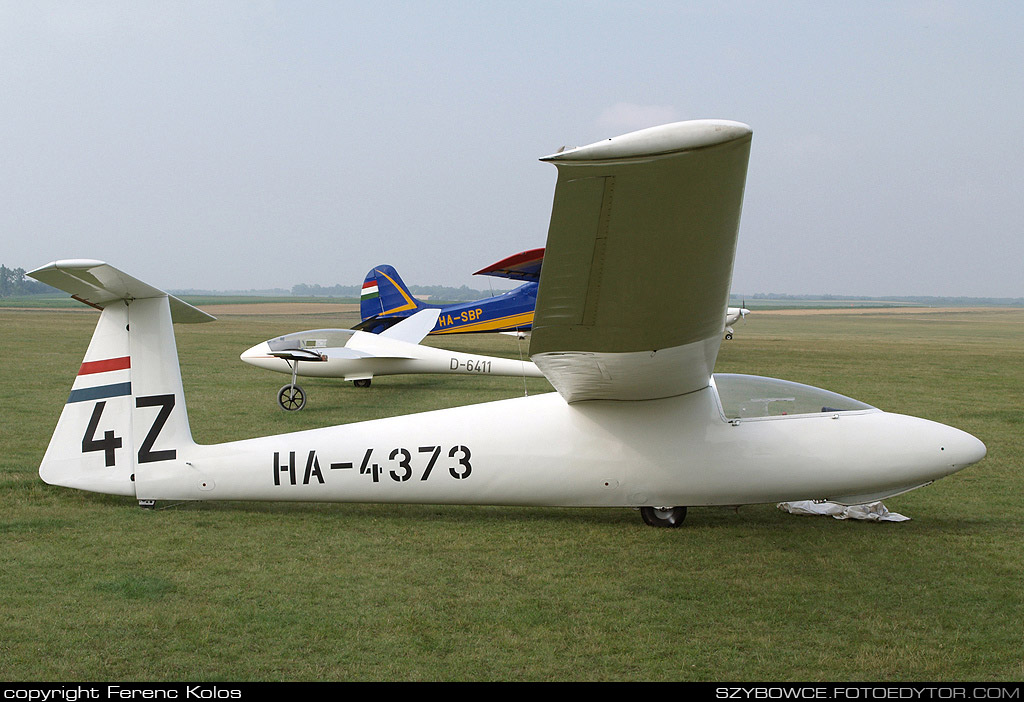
(94, 588)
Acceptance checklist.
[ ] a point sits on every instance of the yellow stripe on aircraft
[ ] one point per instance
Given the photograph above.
(512, 321)
(410, 304)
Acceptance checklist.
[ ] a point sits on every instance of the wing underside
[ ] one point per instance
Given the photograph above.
(521, 266)
(638, 261)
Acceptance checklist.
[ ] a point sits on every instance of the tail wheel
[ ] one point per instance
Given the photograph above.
(291, 398)
(670, 517)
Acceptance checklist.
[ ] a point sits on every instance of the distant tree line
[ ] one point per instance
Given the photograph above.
(14, 282)
(317, 290)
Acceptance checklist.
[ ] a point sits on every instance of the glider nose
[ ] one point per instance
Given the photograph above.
(962, 449)
(259, 352)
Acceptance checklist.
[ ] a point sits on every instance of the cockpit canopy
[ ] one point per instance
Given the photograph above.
(311, 340)
(751, 396)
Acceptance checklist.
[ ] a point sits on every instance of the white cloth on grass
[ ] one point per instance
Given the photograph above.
(872, 511)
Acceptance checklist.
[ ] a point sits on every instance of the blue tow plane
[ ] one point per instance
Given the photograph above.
(385, 300)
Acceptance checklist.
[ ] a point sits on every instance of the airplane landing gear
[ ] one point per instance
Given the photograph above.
(364, 383)
(671, 517)
(291, 398)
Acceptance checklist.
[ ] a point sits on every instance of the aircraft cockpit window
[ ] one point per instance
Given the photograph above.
(750, 396)
(312, 339)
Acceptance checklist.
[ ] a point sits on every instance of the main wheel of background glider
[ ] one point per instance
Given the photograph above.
(291, 398)
(671, 517)
(365, 383)
(728, 336)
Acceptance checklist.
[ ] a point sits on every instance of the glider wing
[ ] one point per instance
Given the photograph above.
(638, 261)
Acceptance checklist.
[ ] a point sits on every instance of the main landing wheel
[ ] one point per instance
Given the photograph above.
(364, 383)
(663, 516)
(291, 398)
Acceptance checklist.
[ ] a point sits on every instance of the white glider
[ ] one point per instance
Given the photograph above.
(638, 420)
(359, 356)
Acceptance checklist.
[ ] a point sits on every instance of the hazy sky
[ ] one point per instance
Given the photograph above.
(235, 145)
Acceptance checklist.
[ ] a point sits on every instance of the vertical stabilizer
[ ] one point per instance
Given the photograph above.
(91, 446)
(126, 408)
(384, 294)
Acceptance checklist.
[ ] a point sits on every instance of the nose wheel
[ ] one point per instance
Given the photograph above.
(291, 397)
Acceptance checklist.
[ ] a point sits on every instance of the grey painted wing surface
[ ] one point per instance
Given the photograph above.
(638, 261)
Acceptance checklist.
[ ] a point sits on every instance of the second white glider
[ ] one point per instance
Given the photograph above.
(359, 356)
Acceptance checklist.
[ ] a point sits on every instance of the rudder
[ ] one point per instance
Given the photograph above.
(384, 294)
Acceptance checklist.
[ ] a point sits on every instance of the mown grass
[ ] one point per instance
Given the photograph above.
(94, 588)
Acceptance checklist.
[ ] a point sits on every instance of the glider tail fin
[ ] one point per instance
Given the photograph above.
(126, 408)
(385, 294)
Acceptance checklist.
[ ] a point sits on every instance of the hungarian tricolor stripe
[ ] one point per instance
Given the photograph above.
(369, 290)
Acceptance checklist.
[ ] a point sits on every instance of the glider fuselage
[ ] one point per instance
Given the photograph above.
(378, 356)
(638, 419)
(679, 450)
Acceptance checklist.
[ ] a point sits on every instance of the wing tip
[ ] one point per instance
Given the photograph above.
(66, 264)
(654, 141)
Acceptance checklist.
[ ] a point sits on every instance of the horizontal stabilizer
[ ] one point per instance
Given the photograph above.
(98, 284)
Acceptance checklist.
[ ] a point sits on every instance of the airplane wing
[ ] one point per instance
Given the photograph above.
(522, 266)
(98, 284)
(638, 262)
(413, 329)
